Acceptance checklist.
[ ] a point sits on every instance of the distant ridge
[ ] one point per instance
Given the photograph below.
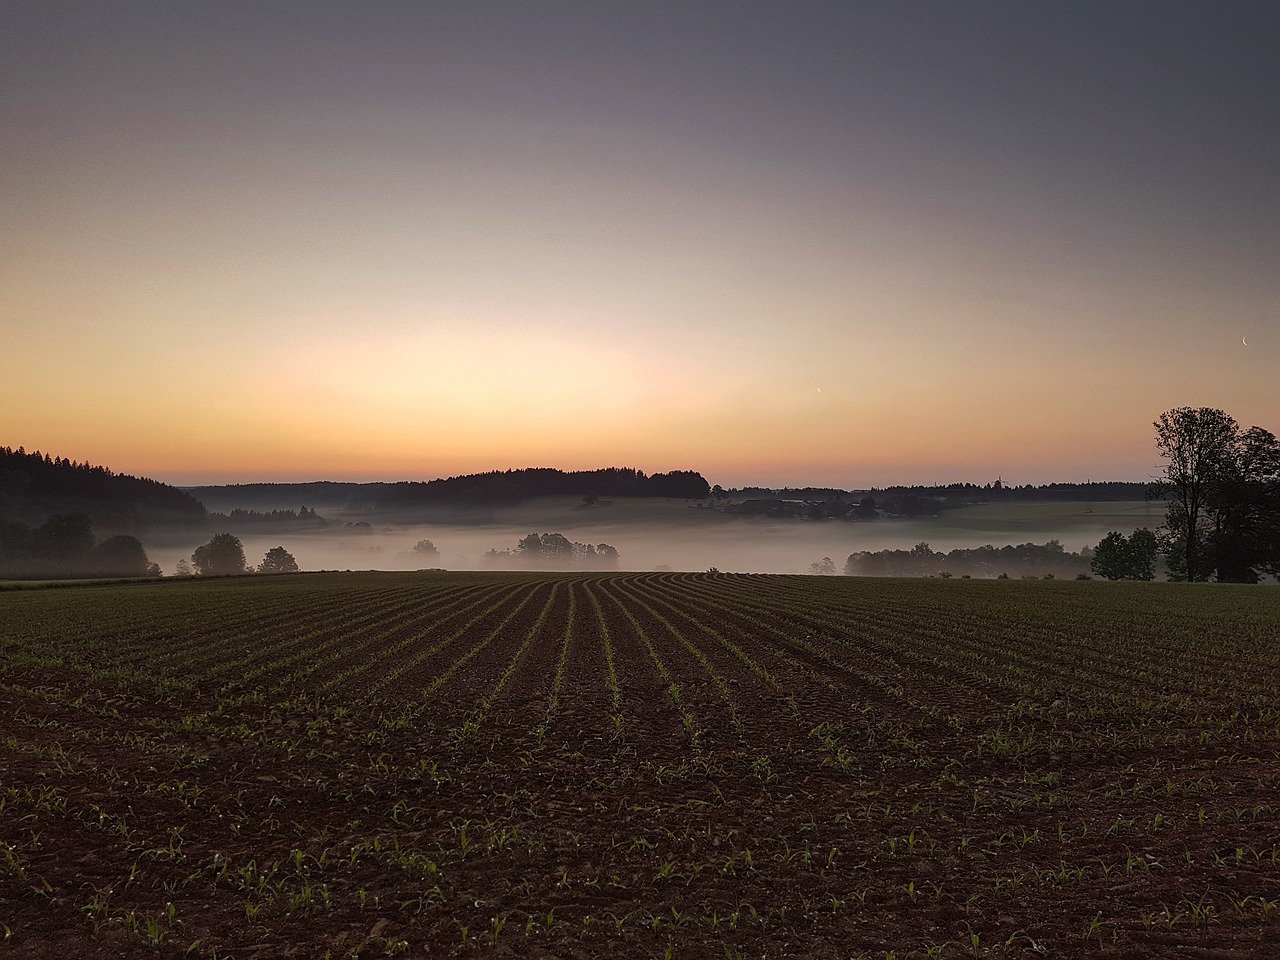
(998, 492)
(512, 486)
(966, 492)
(491, 489)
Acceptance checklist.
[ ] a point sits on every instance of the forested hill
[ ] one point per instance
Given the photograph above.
(512, 486)
(34, 486)
(491, 489)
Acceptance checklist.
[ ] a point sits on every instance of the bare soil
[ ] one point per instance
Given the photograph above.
(847, 782)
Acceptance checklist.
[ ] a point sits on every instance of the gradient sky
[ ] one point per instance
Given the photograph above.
(829, 243)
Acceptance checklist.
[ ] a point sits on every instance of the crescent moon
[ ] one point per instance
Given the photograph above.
(1245, 341)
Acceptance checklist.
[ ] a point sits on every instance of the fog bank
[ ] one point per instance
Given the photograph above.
(680, 537)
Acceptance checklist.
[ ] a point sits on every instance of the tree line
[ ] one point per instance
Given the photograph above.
(554, 551)
(1025, 559)
(1000, 492)
(951, 494)
(223, 556)
(1221, 490)
(842, 507)
(513, 486)
(64, 546)
(305, 517)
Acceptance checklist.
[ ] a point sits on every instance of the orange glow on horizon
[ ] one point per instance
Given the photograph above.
(481, 246)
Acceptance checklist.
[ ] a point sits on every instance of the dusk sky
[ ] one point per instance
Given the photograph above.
(846, 244)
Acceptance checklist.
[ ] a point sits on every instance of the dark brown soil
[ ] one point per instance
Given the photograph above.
(787, 773)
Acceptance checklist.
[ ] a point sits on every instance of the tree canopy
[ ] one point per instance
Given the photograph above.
(1222, 489)
(426, 549)
(65, 546)
(1119, 557)
(278, 560)
(122, 556)
(1024, 559)
(222, 555)
(556, 552)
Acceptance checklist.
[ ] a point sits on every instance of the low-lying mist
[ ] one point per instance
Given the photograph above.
(677, 537)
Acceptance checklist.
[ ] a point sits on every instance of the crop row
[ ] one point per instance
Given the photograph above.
(640, 765)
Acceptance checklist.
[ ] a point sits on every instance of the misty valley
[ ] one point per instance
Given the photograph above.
(61, 518)
(1213, 515)
(670, 535)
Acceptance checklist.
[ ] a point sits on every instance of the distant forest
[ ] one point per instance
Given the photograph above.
(826, 503)
(492, 489)
(253, 520)
(1023, 560)
(513, 486)
(957, 493)
(35, 486)
(999, 493)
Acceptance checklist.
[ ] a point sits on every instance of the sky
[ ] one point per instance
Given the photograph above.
(845, 244)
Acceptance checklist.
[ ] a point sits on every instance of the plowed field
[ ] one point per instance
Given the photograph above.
(639, 765)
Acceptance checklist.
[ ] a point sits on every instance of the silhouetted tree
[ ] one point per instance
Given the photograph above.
(1222, 488)
(1244, 508)
(122, 556)
(64, 546)
(1144, 547)
(426, 550)
(224, 554)
(17, 547)
(63, 543)
(1197, 445)
(1126, 558)
(557, 551)
(278, 560)
(866, 509)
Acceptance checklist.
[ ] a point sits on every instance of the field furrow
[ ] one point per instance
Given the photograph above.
(639, 765)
